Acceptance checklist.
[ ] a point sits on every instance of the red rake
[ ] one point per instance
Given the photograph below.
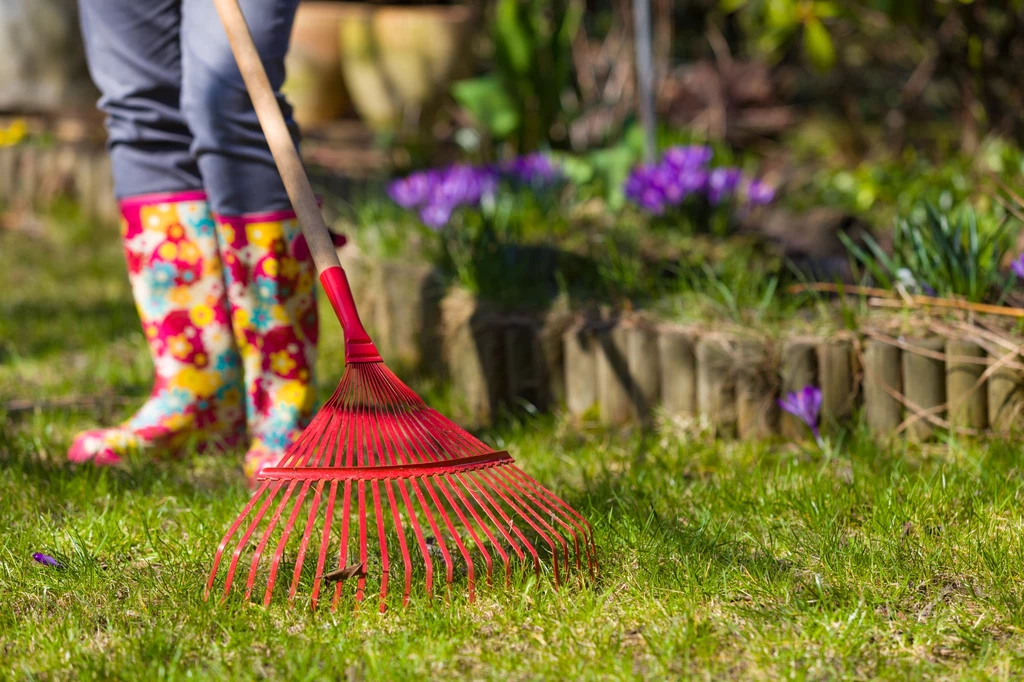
(378, 461)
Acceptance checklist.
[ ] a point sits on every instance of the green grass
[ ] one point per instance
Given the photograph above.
(718, 561)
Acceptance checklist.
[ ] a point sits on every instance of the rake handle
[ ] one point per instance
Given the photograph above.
(358, 346)
(282, 147)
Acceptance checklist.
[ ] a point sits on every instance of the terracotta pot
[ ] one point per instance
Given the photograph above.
(397, 60)
(314, 84)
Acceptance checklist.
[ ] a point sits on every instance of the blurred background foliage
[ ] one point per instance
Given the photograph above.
(887, 132)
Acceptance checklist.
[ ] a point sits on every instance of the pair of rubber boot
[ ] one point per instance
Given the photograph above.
(228, 309)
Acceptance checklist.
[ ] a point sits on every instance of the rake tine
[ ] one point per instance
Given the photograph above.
(324, 543)
(229, 534)
(487, 531)
(444, 486)
(247, 534)
(445, 554)
(470, 575)
(530, 506)
(487, 557)
(426, 512)
(304, 542)
(406, 558)
(275, 562)
(385, 564)
(377, 456)
(343, 548)
(564, 510)
(351, 405)
(420, 539)
(265, 538)
(304, 448)
(361, 579)
(536, 502)
(329, 449)
(306, 435)
(498, 486)
(441, 423)
(507, 523)
(585, 528)
(363, 437)
(331, 497)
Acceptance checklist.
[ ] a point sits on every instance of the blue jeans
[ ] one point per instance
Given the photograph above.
(178, 115)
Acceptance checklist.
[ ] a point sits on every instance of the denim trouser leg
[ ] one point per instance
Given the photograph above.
(134, 54)
(178, 116)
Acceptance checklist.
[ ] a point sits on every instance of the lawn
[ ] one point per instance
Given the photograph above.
(717, 561)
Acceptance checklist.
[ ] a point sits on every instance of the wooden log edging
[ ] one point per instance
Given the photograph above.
(677, 363)
(912, 387)
(798, 368)
(756, 390)
(34, 176)
(628, 371)
(924, 385)
(716, 382)
(883, 384)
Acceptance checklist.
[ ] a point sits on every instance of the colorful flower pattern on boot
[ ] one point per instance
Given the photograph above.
(271, 287)
(176, 278)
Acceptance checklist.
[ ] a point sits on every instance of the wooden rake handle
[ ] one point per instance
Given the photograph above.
(358, 345)
(296, 183)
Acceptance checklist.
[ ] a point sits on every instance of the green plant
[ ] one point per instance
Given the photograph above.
(382, 229)
(777, 24)
(945, 254)
(881, 189)
(521, 100)
(737, 280)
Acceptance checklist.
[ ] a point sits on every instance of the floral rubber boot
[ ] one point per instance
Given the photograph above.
(270, 279)
(176, 278)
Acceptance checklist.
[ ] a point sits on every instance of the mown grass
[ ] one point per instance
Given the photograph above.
(718, 561)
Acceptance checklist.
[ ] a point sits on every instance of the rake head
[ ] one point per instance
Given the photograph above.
(378, 476)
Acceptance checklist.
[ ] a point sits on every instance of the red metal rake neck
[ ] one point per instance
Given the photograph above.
(358, 345)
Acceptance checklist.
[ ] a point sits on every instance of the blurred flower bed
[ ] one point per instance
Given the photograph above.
(681, 237)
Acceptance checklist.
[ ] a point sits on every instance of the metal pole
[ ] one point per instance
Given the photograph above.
(645, 75)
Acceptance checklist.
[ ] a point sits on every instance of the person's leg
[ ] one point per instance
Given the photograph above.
(169, 237)
(134, 57)
(237, 168)
(268, 268)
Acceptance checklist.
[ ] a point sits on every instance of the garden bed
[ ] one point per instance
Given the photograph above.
(904, 376)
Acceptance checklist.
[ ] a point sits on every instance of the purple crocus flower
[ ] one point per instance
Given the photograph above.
(760, 193)
(805, 405)
(653, 201)
(693, 180)
(688, 157)
(435, 194)
(535, 169)
(666, 181)
(642, 189)
(1018, 266)
(46, 560)
(436, 215)
(411, 192)
(722, 182)
(457, 186)
(674, 192)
